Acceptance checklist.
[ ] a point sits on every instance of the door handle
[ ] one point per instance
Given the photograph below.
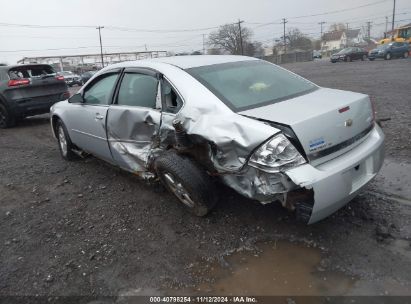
(99, 116)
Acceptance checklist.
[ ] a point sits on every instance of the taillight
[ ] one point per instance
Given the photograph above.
(60, 77)
(18, 82)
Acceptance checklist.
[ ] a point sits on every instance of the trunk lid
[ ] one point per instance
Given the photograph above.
(327, 122)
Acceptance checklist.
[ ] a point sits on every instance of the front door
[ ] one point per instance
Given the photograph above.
(134, 118)
(88, 119)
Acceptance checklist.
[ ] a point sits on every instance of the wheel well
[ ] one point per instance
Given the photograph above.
(54, 120)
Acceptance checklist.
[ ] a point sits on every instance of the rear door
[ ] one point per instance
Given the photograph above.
(398, 49)
(87, 121)
(134, 119)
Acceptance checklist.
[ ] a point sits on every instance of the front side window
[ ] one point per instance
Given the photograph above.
(101, 90)
(250, 84)
(138, 90)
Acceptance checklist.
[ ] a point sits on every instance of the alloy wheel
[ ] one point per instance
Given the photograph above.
(178, 190)
(62, 140)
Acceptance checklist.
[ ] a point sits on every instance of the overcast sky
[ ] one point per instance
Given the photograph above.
(170, 15)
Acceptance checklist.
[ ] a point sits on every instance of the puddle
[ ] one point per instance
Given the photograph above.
(395, 179)
(280, 268)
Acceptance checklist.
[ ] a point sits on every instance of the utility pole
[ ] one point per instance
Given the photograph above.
(145, 47)
(241, 36)
(321, 33)
(101, 45)
(203, 44)
(386, 26)
(393, 18)
(346, 26)
(285, 42)
(368, 29)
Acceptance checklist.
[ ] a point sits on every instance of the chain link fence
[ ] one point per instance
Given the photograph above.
(290, 57)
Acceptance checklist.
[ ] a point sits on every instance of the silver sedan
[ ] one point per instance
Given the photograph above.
(190, 121)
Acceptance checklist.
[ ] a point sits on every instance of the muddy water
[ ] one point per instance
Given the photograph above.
(280, 268)
(395, 179)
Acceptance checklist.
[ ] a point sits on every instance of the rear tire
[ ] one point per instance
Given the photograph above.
(7, 120)
(187, 182)
(406, 54)
(65, 145)
(364, 57)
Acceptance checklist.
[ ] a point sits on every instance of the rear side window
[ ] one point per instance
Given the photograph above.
(138, 90)
(172, 102)
(30, 71)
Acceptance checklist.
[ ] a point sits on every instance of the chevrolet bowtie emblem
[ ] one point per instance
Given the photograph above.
(348, 123)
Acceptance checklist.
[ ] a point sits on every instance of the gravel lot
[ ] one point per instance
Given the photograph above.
(86, 228)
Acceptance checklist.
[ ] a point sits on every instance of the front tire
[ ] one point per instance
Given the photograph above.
(371, 59)
(187, 182)
(65, 145)
(388, 56)
(349, 59)
(364, 57)
(7, 120)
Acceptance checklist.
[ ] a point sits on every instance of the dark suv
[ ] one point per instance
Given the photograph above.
(390, 50)
(27, 90)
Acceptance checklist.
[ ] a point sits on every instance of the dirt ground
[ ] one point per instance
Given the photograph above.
(87, 228)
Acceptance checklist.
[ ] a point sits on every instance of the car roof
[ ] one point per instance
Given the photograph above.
(9, 67)
(191, 61)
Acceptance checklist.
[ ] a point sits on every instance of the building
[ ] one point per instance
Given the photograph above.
(336, 40)
(90, 61)
(355, 37)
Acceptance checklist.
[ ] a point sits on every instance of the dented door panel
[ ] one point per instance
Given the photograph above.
(131, 132)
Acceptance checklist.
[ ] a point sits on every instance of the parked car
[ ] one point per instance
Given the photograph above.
(70, 78)
(390, 50)
(27, 90)
(267, 133)
(86, 76)
(317, 54)
(349, 54)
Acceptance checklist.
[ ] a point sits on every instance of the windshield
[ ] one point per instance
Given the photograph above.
(66, 73)
(250, 84)
(344, 51)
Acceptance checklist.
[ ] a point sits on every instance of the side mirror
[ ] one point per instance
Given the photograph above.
(76, 98)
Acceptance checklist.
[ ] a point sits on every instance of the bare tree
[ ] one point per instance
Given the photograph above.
(254, 49)
(297, 40)
(227, 37)
(214, 51)
(337, 27)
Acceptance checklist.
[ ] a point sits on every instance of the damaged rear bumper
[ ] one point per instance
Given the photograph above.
(315, 192)
(337, 181)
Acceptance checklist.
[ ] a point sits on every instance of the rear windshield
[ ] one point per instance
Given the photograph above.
(30, 71)
(249, 84)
